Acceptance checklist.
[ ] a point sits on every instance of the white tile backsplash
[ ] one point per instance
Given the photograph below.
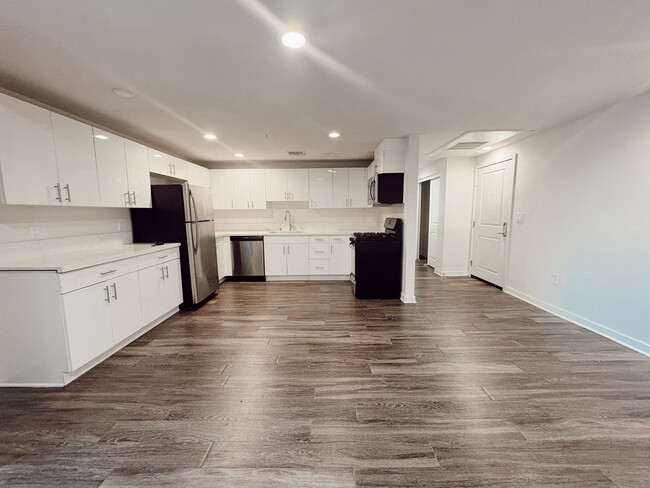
(27, 230)
(306, 219)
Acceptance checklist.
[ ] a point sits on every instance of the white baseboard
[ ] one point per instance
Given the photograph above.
(622, 339)
(287, 278)
(407, 299)
(329, 278)
(454, 273)
(31, 385)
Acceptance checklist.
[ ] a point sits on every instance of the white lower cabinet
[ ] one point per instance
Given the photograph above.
(160, 289)
(297, 259)
(88, 323)
(339, 258)
(224, 257)
(71, 320)
(286, 256)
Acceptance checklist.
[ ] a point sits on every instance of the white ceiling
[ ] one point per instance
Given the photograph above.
(373, 68)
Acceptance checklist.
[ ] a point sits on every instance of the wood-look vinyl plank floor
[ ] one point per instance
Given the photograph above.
(301, 385)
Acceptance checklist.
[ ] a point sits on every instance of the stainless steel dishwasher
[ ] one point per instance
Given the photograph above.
(247, 258)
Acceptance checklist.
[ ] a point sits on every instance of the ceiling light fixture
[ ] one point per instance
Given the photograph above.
(293, 39)
(101, 136)
(121, 92)
(209, 137)
(334, 134)
(239, 155)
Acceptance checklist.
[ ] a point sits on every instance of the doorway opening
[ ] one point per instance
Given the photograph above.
(423, 242)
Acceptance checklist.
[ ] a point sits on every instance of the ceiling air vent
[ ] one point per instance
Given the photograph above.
(296, 153)
(466, 145)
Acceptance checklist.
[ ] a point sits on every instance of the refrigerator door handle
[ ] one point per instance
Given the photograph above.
(195, 244)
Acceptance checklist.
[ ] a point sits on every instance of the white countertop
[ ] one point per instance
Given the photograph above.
(62, 263)
(228, 233)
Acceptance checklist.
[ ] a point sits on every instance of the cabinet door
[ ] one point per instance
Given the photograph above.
(298, 184)
(258, 188)
(242, 196)
(172, 288)
(88, 323)
(224, 258)
(357, 188)
(159, 162)
(126, 312)
(151, 286)
(198, 175)
(340, 188)
(297, 259)
(275, 259)
(75, 160)
(338, 258)
(111, 168)
(179, 168)
(320, 188)
(276, 185)
(27, 160)
(225, 188)
(137, 170)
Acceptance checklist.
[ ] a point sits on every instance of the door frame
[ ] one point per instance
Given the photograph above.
(506, 264)
(422, 180)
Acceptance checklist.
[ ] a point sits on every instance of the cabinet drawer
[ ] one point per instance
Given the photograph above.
(74, 280)
(286, 239)
(158, 257)
(319, 267)
(319, 239)
(319, 251)
(338, 239)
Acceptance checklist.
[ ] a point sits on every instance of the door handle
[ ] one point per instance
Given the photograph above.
(504, 229)
(108, 295)
(67, 189)
(114, 286)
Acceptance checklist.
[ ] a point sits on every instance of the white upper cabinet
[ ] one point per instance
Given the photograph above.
(242, 188)
(179, 168)
(298, 184)
(257, 188)
(27, 157)
(320, 188)
(357, 188)
(223, 188)
(111, 168)
(159, 162)
(390, 156)
(75, 160)
(198, 175)
(276, 185)
(137, 169)
(340, 183)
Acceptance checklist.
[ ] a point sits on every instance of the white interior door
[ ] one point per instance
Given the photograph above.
(491, 225)
(434, 220)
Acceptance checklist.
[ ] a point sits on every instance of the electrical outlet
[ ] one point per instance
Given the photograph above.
(33, 232)
(519, 217)
(555, 279)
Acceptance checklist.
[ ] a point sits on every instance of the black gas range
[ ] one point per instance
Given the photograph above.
(377, 262)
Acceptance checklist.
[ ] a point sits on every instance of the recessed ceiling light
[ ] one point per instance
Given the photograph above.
(101, 136)
(157, 155)
(334, 134)
(239, 155)
(331, 154)
(209, 137)
(293, 39)
(121, 92)
(487, 148)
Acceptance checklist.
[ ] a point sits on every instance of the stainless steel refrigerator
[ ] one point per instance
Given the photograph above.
(183, 213)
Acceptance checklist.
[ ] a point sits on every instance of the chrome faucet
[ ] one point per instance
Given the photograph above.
(291, 226)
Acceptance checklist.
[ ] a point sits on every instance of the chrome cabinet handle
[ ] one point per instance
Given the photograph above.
(114, 286)
(284, 251)
(248, 204)
(174, 166)
(127, 199)
(288, 249)
(291, 196)
(134, 202)
(232, 204)
(331, 248)
(166, 271)
(504, 229)
(162, 270)
(163, 257)
(67, 189)
(110, 271)
(58, 192)
(286, 196)
(320, 252)
(108, 295)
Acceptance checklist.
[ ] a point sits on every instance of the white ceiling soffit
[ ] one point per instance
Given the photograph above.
(475, 142)
(371, 69)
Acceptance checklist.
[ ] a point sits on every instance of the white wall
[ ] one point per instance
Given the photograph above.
(27, 230)
(584, 190)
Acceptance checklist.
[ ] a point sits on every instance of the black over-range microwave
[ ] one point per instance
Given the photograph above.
(386, 189)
